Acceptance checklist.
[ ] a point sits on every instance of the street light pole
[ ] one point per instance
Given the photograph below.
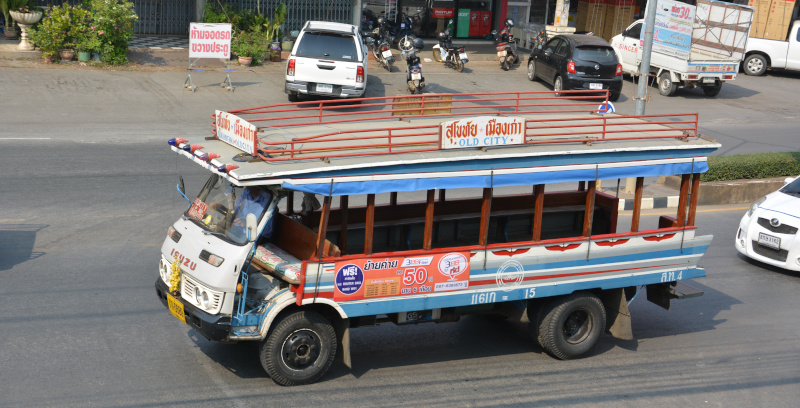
(644, 68)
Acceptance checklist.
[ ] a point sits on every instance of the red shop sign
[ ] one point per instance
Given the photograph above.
(443, 12)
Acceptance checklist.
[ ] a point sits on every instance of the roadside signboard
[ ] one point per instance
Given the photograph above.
(209, 40)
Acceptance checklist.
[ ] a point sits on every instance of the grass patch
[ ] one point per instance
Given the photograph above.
(752, 166)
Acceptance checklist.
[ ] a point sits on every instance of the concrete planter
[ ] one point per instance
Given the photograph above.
(730, 192)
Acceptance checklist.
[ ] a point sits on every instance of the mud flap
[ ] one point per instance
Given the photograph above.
(618, 317)
(342, 328)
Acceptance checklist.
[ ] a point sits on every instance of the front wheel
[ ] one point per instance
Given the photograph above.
(459, 64)
(666, 86)
(300, 349)
(437, 54)
(755, 65)
(572, 325)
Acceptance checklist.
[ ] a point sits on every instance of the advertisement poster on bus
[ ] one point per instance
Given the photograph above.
(401, 276)
(672, 34)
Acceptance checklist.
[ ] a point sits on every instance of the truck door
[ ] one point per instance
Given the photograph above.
(793, 56)
(629, 47)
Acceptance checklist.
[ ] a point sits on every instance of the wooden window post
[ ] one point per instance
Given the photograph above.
(343, 204)
(693, 201)
(370, 223)
(428, 237)
(323, 226)
(538, 208)
(588, 213)
(682, 200)
(637, 204)
(486, 208)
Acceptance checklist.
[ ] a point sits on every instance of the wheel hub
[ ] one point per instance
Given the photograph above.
(301, 349)
(577, 326)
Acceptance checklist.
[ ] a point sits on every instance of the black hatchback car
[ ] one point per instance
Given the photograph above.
(577, 62)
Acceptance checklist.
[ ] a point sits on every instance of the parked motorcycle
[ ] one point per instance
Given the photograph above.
(414, 76)
(506, 46)
(404, 37)
(380, 47)
(446, 52)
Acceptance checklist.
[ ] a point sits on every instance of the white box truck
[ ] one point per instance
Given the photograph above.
(693, 46)
(762, 54)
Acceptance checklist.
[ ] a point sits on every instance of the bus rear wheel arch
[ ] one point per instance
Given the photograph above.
(570, 326)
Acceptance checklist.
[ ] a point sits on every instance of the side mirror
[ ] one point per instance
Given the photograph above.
(548, 52)
(181, 186)
(625, 33)
(251, 226)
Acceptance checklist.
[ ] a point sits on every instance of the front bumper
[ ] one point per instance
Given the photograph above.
(215, 328)
(309, 88)
(746, 242)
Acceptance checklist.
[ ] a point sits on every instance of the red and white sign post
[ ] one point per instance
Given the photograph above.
(209, 41)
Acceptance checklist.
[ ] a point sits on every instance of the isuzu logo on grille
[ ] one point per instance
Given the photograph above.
(596, 67)
(775, 222)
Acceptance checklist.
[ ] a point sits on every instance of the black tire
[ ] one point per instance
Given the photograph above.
(503, 64)
(613, 97)
(712, 90)
(299, 349)
(459, 64)
(293, 97)
(666, 86)
(388, 66)
(510, 60)
(572, 325)
(437, 54)
(531, 70)
(755, 64)
(558, 86)
(412, 88)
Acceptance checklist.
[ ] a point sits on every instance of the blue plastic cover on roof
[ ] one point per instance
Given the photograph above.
(344, 187)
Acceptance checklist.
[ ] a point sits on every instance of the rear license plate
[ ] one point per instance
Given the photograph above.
(324, 88)
(416, 76)
(176, 308)
(501, 53)
(387, 54)
(769, 241)
(709, 80)
(595, 86)
(463, 56)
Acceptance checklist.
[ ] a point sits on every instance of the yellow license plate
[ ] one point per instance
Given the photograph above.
(176, 308)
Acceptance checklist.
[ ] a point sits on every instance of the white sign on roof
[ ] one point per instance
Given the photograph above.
(482, 131)
(236, 131)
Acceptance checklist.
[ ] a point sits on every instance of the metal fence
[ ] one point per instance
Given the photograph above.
(173, 16)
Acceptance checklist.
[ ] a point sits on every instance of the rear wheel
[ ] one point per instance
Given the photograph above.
(666, 86)
(558, 86)
(300, 349)
(755, 65)
(712, 90)
(531, 70)
(437, 54)
(293, 97)
(613, 97)
(571, 326)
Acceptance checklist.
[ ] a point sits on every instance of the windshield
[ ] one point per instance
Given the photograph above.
(327, 46)
(792, 188)
(222, 208)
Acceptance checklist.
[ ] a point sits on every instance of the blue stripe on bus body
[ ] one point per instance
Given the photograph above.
(375, 306)
(592, 262)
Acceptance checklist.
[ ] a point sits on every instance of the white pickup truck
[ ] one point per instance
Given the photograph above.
(762, 54)
(704, 49)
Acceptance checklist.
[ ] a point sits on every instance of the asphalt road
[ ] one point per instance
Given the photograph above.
(88, 190)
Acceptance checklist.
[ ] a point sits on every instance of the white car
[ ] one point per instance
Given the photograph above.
(769, 231)
(328, 59)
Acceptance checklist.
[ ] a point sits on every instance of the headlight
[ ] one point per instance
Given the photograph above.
(755, 205)
(163, 270)
(201, 297)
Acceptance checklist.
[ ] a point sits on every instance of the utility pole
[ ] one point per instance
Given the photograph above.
(644, 68)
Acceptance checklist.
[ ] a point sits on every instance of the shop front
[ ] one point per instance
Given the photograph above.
(471, 18)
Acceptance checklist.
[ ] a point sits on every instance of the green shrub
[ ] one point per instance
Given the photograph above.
(752, 166)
